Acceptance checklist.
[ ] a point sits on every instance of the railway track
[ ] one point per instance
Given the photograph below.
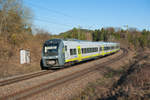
(19, 78)
(53, 83)
(23, 77)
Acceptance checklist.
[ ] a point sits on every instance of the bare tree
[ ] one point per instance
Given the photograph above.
(14, 17)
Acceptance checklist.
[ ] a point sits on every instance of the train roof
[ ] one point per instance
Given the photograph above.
(85, 41)
(82, 41)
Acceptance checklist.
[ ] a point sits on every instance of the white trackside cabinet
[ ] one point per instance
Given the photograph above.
(24, 57)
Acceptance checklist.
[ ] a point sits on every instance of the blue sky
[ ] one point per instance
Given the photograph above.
(58, 16)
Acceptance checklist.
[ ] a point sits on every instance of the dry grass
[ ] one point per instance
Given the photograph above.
(10, 55)
(133, 84)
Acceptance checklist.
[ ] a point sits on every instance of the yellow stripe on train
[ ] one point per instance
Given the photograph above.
(80, 58)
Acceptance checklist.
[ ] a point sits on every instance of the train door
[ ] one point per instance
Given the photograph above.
(79, 53)
(66, 52)
(101, 49)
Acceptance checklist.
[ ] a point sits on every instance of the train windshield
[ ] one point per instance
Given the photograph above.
(50, 49)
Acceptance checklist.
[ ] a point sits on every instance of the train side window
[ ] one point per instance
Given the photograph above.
(88, 50)
(85, 50)
(96, 49)
(65, 48)
(100, 49)
(82, 50)
(113, 47)
(106, 48)
(73, 52)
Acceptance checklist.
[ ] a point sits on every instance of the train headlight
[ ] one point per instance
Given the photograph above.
(50, 62)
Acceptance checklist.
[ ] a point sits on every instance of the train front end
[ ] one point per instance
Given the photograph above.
(52, 54)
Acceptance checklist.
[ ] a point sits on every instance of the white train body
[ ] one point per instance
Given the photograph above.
(58, 52)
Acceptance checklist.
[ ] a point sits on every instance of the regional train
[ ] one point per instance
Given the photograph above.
(60, 52)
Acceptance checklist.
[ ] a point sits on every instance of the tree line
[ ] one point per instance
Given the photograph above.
(131, 36)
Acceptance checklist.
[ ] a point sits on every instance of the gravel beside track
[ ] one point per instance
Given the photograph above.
(32, 86)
